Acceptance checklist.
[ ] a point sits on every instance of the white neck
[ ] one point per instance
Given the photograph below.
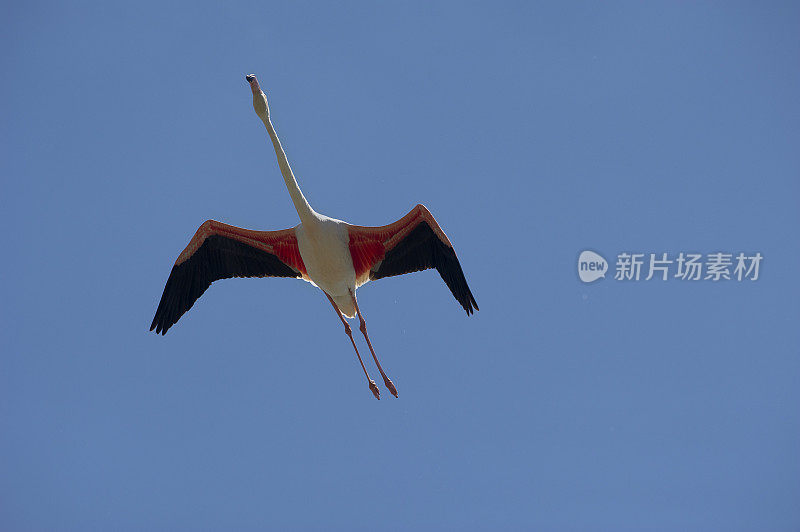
(302, 207)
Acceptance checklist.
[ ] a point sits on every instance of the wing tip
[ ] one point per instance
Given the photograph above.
(159, 325)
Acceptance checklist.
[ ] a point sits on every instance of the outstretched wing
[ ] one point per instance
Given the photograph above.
(415, 242)
(220, 251)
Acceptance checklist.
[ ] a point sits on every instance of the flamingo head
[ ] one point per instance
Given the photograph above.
(259, 98)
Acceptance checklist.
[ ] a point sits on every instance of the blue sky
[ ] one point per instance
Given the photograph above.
(532, 132)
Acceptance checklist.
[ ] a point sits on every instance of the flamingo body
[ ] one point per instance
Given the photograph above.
(325, 250)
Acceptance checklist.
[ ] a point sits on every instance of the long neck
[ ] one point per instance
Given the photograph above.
(301, 205)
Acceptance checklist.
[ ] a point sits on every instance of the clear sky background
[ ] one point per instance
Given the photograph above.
(532, 131)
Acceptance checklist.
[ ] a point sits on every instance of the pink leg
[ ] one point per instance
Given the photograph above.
(372, 385)
(386, 380)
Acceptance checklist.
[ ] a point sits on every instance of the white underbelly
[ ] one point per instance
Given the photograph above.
(326, 256)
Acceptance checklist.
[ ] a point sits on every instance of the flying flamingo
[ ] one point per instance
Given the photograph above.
(331, 254)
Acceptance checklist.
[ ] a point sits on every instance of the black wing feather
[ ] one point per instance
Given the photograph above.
(422, 249)
(219, 257)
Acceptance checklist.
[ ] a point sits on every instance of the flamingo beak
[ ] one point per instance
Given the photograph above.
(251, 79)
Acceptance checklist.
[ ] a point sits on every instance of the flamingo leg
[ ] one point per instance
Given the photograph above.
(386, 380)
(372, 386)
